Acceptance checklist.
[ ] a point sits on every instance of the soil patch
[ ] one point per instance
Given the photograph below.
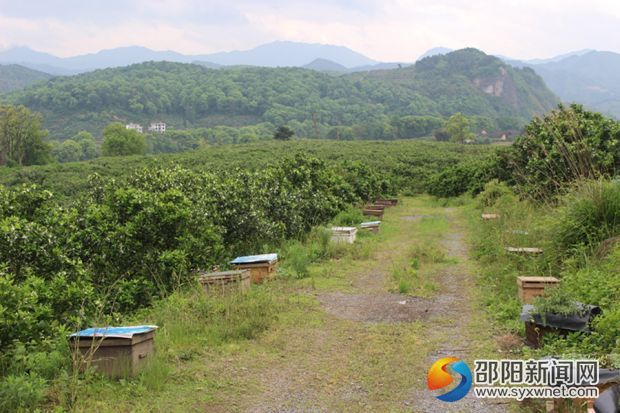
(376, 308)
(416, 217)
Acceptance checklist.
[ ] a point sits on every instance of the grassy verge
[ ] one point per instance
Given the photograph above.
(199, 334)
(586, 274)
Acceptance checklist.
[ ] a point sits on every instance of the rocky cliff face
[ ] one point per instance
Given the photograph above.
(502, 85)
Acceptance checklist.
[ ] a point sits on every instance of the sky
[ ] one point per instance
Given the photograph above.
(384, 30)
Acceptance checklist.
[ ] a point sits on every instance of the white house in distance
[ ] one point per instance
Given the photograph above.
(134, 126)
(159, 127)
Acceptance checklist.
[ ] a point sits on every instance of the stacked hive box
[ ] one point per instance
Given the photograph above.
(261, 267)
(226, 281)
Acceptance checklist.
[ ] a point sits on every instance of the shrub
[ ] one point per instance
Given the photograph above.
(320, 243)
(350, 217)
(493, 192)
(565, 145)
(465, 177)
(21, 393)
(588, 215)
(297, 258)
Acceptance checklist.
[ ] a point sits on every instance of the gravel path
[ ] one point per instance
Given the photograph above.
(447, 327)
(373, 349)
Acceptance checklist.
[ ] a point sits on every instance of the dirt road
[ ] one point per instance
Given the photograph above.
(357, 345)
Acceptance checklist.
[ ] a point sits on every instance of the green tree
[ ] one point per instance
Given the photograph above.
(68, 151)
(566, 145)
(441, 135)
(21, 137)
(457, 127)
(283, 133)
(88, 144)
(119, 141)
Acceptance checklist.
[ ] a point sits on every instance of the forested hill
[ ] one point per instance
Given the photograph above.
(15, 77)
(186, 95)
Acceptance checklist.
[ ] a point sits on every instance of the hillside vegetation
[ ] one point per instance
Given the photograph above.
(374, 103)
(409, 164)
(16, 77)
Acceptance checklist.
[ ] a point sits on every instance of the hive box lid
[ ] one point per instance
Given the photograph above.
(543, 280)
(344, 229)
(253, 259)
(114, 332)
(222, 273)
(369, 224)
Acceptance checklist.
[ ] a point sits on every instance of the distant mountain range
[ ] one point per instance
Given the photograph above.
(589, 77)
(276, 54)
(586, 76)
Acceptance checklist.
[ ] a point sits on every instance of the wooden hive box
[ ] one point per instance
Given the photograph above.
(116, 352)
(225, 281)
(375, 206)
(372, 226)
(344, 234)
(261, 267)
(387, 202)
(373, 212)
(524, 250)
(530, 287)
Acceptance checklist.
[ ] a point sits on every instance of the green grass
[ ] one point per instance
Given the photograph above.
(584, 275)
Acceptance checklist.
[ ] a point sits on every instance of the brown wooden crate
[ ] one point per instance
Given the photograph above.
(531, 287)
(373, 212)
(389, 202)
(260, 271)
(375, 206)
(524, 250)
(227, 281)
(115, 357)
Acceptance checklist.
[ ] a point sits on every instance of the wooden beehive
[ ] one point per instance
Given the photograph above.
(387, 202)
(524, 250)
(373, 212)
(530, 287)
(375, 206)
(344, 234)
(372, 226)
(225, 281)
(488, 217)
(116, 352)
(261, 267)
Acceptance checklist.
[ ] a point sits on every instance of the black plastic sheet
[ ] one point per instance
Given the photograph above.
(573, 322)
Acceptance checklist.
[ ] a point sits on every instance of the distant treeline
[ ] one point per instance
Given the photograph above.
(400, 103)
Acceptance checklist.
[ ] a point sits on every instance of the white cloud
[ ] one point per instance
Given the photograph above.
(391, 30)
